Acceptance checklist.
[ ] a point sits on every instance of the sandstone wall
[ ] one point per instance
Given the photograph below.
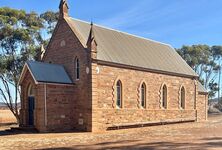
(107, 115)
(202, 105)
(63, 49)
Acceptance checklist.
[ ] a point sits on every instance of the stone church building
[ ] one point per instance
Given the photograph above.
(92, 78)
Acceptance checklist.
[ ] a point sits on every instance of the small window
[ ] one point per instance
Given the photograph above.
(31, 91)
(182, 98)
(164, 97)
(143, 95)
(77, 69)
(119, 94)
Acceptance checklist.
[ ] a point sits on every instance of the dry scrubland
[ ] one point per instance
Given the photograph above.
(193, 136)
(6, 117)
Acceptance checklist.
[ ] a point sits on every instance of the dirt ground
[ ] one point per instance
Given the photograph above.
(201, 136)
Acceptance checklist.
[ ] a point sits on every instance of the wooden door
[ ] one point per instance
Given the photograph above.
(31, 101)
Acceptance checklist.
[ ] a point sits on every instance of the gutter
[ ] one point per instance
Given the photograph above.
(203, 93)
(113, 64)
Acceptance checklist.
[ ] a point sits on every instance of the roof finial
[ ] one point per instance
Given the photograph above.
(63, 8)
(91, 34)
(91, 43)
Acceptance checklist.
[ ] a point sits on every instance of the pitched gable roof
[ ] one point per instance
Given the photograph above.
(201, 88)
(122, 48)
(46, 73)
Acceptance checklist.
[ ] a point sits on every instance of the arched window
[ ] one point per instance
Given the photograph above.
(182, 98)
(164, 97)
(119, 94)
(31, 91)
(143, 95)
(77, 69)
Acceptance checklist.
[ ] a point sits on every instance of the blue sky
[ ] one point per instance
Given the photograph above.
(176, 22)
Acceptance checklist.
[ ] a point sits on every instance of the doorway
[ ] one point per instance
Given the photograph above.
(31, 105)
(31, 101)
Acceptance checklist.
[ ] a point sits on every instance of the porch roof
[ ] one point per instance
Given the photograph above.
(201, 88)
(46, 73)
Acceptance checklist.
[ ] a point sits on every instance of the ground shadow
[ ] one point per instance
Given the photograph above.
(12, 132)
(15, 131)
(215, 142)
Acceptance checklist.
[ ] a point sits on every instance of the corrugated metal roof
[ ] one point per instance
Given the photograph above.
(119, 47)
(201, 88)
(49, 73)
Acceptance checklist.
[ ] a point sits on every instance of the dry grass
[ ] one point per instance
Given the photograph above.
(6, 117)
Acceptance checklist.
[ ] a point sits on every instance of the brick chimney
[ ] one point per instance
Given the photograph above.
(63, 9)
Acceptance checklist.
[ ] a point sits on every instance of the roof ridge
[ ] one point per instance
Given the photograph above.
(133, 35)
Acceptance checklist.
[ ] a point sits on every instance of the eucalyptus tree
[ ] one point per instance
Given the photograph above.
(205, 60)
(20, 40)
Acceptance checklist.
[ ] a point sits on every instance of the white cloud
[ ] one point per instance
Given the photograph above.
(125, 18)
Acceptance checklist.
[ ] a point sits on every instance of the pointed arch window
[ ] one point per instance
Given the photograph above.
(164, 97)
(31, 91)
(182, 98)
(143, 95)
(119, 94)
(77, 69)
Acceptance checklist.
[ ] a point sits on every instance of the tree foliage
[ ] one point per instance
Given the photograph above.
(21, 35)
(206, 62)
(50, 19)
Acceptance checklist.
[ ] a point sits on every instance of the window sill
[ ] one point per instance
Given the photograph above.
(119, 108)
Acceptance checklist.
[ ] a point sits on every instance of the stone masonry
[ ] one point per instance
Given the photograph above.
(89, 103)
